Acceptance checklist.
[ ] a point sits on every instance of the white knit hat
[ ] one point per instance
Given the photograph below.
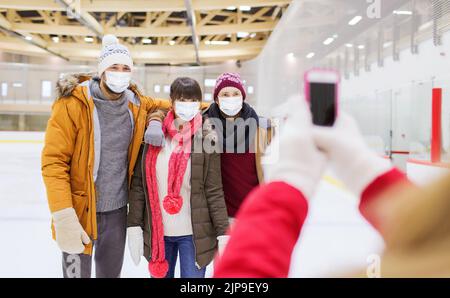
(113, 53)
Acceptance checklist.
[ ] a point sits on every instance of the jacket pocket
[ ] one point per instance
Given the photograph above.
(80, 204)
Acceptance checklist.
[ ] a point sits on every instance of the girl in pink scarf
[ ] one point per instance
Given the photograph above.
(180, 191)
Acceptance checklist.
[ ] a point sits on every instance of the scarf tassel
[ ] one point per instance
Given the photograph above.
(158, 269)
(172, 204)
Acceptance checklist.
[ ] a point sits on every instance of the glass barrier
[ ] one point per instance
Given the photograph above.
(398, 122)
(373, 114)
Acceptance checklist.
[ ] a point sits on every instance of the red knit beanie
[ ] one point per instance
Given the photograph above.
(229, 79)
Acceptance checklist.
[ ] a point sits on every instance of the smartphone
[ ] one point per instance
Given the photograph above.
(321, 92)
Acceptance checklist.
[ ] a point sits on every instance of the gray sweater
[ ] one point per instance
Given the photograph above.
(116, 133)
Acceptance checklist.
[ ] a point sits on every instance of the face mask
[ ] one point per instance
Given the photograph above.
(187, 110)
(118, 81)
(231, 106)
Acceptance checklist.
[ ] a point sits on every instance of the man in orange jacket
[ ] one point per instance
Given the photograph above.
(91, 146)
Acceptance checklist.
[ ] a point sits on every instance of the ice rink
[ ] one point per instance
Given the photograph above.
(336, 239)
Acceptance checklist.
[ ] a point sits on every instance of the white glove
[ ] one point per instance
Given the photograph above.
(351, 159)
(135, 243)
(298, 162)
(70, 235)
(222, 243)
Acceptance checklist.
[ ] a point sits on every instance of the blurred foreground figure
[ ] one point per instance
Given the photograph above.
(414, 222)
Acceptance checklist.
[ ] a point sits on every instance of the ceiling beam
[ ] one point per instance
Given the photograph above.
(49, 29)
(35, 41)
(4, 23)
(257, 15)
(112, 21)
(161, 18)
(46, 17)
(143, 31)
(142, 53)
(138, 5)
(83, 16)
(235, 28)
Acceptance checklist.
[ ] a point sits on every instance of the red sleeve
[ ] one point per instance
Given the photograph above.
(267, 228)
(373, 191)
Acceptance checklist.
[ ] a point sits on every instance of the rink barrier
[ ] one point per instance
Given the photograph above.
(21, 142)
(424, 172)
(436, 125)
(430, 164)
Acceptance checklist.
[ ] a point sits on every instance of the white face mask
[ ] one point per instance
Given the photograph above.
(187, 110)
(231, 106)
(117, 81)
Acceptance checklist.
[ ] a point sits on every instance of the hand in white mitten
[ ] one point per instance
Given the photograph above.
(351, 159)
(299, 162)
(70, 235)
(222, 243)
(135, 243)
(154, 134)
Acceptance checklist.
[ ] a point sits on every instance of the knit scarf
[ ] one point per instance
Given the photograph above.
(173, 202)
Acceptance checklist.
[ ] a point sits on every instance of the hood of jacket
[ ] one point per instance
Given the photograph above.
(67, 84)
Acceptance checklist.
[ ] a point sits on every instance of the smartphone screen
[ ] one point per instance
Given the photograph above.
(323, 103)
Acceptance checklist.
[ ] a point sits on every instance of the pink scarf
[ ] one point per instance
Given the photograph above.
(173, 202)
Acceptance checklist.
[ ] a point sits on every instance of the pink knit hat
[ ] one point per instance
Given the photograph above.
(229, 79)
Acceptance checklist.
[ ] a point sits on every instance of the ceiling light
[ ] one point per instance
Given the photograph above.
(172, 42)
(328, 41)
(220, 42)
(355, 20)
(242, 34)
(55, 39)
(28, 37)
(231, 8)
(146, 41)
(349, 45)
(217, 42)
(88, 39)
(253, 35)
(361, 47)
(403, 12)
(387, 44)
(245, 8)
(310, 55)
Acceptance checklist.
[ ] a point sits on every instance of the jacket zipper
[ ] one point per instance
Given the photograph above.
(193, 239)
(144, 183)
(192, 223)
(90, 175)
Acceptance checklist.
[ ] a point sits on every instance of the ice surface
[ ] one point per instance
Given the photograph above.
(335, 238)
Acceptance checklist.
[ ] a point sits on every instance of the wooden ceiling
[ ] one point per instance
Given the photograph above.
(156, 31)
